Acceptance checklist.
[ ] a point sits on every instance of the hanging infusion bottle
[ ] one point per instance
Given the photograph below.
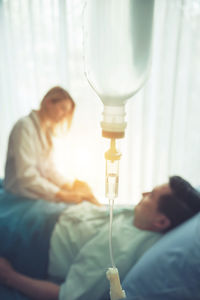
(117, 39)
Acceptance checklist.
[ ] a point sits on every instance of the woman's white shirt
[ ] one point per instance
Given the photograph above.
(30, 171)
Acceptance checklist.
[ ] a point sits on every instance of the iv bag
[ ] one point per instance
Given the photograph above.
(117, 47)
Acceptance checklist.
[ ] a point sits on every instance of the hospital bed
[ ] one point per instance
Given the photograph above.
(170, 270)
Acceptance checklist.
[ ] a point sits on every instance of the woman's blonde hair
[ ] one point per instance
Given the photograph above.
(57, 94)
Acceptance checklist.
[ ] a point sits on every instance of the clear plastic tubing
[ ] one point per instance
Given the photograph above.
(111, 202)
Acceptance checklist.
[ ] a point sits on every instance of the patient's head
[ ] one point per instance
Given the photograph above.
(167, 206)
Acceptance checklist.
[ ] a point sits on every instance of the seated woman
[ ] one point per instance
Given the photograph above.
(30, 171)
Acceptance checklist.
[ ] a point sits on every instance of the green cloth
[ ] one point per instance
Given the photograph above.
(82, 249)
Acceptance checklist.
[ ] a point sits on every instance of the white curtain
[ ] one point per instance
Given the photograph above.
(41, 46)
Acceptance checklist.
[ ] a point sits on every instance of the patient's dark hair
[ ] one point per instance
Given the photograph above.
(182, 204)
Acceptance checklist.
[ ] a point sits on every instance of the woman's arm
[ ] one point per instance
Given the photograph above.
(22, 175)
(33, 288)
(78, 192)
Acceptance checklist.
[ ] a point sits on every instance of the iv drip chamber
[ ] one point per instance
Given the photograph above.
(112, 157)
(117, 41)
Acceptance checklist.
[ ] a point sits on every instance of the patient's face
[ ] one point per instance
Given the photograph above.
(146, 214)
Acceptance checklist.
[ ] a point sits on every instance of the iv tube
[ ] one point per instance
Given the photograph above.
(111, 202)
(112, 174)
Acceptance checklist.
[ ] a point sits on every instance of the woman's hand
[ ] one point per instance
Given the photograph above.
(87, 194)
(81, 186)
(76, 197)
(67, 186)
(77, 185)
(69, 196)
(6, 271)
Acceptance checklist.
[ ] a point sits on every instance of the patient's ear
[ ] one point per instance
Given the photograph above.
(161, 223)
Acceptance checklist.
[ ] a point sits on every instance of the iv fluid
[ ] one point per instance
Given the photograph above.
(112, 186)
(117, 47)
(112, 178)
(117, 41)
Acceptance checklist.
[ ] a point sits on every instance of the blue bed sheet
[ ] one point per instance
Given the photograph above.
(25, 230)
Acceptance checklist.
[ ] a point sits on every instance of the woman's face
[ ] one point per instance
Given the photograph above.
(58, 112)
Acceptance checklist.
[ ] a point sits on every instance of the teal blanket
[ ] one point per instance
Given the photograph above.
(80, 252)
(25, 229)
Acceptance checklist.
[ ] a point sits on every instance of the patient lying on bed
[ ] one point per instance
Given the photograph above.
(79, 255)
